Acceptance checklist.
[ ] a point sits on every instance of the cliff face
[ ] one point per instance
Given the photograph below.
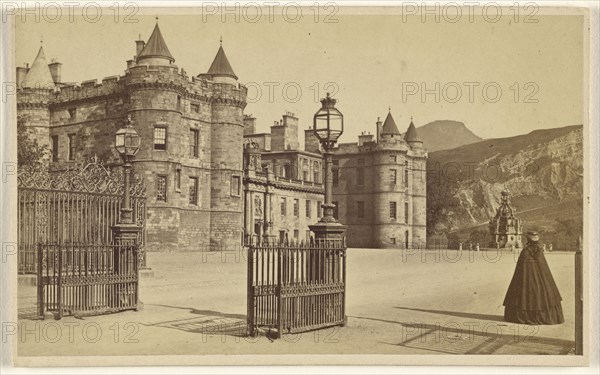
(541, 169)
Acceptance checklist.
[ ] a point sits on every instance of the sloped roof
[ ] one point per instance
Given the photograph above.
(156, 46)
(389, 125)
(220, 65)
(411, 134)
(39, 74)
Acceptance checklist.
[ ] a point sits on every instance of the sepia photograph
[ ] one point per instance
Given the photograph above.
(281, 183)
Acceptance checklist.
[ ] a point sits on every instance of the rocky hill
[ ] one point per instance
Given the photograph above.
(543, 171)
(446, 134)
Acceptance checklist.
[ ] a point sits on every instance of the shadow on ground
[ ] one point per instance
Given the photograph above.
(496, 318)
(205, 322)
(475, 338)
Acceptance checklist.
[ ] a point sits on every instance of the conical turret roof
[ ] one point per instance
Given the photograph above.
(389, 126)
(156, 46)
(221, 66)
(411, 134)
(39, 74)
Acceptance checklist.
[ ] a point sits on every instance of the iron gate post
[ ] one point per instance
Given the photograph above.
(579, 298)
(40, 286)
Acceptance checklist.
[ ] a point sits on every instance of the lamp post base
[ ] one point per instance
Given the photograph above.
(125, 234)
(329, 231)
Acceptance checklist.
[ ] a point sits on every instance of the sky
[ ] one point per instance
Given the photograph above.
(500, 78)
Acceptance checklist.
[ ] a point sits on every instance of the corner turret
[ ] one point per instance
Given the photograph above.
(220, 70)
(39, 76)
(389, 129)
(155, 52)
(412, 137)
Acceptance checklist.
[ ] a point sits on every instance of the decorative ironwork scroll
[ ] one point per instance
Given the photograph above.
(77, 204)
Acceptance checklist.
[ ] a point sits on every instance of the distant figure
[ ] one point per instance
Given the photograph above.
(477, 246)
(460, 246)
(532, 296)
(544, 247)
(471, 246)
(550, 247)
(512, 247)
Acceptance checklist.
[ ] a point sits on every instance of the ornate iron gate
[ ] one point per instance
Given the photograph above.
(77, 205)
(296, 287)
(86, 279)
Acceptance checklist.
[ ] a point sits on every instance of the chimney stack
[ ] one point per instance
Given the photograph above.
(139, 46)
(284, 134)
(249, 125)
(55, 70)
(311, 142)
(364, 138)
(21, 73)
(379, 125)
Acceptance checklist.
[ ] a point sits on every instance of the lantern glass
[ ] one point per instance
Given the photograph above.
(127, 141)
(328, 121)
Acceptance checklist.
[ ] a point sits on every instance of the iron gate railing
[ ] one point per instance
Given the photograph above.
(77, 205)
(296, 287)
(86, 279)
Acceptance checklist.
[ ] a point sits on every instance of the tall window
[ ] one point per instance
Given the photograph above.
(194, 143)
(360, 172)
(296, 207)
(305, 175)
(72, 112)
(236, 183)
(54, 140)
(296, 234)
(193, 194)
(393, 176)
(319, 209)
(178, 179)
(286, 171)
(308, 208)
(406, 213)
(161, 188)
(360, 176)
(71, 146)
(393, 212)
(316, 172)
(283, 207)
(160, 138)
(335, 209)
(406, 174)
(360, 209)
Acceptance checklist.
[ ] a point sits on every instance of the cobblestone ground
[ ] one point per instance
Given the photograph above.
(398, 302)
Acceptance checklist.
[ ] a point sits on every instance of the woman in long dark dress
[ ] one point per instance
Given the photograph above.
(532, 297)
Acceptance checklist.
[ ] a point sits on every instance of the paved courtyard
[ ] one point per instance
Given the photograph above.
(398, 302)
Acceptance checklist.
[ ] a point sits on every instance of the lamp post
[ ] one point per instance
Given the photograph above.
(127, 143)
(328, 126)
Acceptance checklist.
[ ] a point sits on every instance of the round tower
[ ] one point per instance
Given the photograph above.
(416, 187)
(389, 226)
(155, 93)
(227, 137)
(36, 86)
